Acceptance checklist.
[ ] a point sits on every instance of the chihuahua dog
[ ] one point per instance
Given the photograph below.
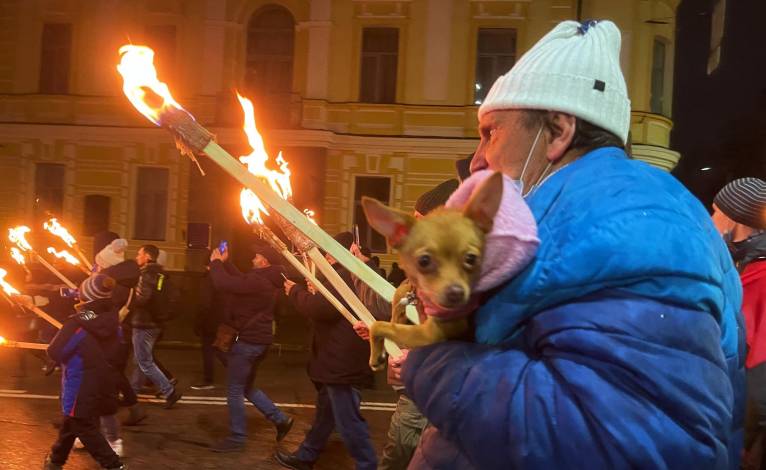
(442, 255)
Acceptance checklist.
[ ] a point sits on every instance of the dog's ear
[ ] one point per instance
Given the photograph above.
(393, 224)
(485, 201)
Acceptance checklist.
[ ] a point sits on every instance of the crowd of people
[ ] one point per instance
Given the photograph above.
(623, 344)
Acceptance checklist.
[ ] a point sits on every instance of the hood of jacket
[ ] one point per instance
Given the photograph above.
(272, 273)
(98, 317)
(746, 251)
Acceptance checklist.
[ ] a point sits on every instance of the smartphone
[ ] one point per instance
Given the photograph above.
(223, 246)
(68, 292)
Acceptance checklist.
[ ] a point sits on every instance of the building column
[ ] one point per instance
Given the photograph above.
(317, 71)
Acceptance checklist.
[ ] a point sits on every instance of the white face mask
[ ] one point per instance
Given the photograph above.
(526, 164)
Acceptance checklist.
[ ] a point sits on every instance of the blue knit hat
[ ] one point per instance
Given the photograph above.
(97, 286)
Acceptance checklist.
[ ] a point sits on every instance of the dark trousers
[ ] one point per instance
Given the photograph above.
(87, 429)
(755, 419)
(337, 408)
(129, 396)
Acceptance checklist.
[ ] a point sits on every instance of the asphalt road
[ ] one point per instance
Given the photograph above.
(178, 438)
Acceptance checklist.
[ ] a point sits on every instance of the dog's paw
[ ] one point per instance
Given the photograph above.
(378, 363)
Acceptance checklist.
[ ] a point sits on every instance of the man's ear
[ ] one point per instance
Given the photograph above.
(485, 201)
(393, 224)
(562, 128)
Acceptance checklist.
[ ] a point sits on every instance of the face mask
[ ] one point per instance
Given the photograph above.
(526, 164)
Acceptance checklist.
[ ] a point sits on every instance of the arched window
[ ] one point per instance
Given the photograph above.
(270, 38)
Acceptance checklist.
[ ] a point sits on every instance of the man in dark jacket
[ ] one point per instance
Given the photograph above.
(338, 367)
(252, 300)
(146, 327)
(88, 390)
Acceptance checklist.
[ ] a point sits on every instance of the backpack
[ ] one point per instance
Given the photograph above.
(165, 300)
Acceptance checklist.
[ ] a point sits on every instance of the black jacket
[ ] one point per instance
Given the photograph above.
(338, 355)
(746, 251)
(126, 274)
(82, 347)
(251, 299)
(140, 312)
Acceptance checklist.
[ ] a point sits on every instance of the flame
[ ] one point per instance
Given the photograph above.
(9, 289)
(256, 164)
(17, 236)
(310, 215)
(65, 255)
(3, 340)
(54, 227)
(139, 75)
(17, 255)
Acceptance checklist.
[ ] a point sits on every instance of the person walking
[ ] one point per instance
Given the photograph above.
(211, 311)
(252, 301)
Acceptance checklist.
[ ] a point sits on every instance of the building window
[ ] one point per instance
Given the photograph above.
(717, 27)
(49, 189)
(380, 55)
(657, 100)
(376, 187)
(495, 55)
(269, 67)
(151, 204)
(96, 215)
(55, 54)
(162, 39)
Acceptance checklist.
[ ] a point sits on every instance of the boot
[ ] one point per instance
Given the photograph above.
(49, 465)
(137, 414)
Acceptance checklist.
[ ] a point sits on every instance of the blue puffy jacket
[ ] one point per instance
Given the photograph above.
(620, 346)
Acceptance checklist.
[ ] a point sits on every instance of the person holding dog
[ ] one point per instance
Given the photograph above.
(620, 345)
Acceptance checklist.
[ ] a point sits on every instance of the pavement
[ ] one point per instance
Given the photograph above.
(179, 438)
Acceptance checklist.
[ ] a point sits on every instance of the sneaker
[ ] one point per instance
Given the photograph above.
(171, 400)
(78, 444)
(48, 465)
(227, 445)
(137, 414)
(203, 386)
(283, 428)
(289, 460)
(116, 446)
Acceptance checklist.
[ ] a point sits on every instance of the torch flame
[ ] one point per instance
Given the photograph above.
(17, 255)
(54, 227)
(256, 164)
(17, 236)
(9, 289)
(139, 75)
(65, 255)
(3, 340)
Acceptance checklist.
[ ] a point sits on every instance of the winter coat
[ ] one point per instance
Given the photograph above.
(140, 305)
(620, 345)
(338, 355)
(84, 346)
(754, 309)
(252, 298)
(126, 274)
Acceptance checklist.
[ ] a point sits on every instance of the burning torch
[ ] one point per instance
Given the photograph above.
(9, 292)
(54, 227)
(17, 236)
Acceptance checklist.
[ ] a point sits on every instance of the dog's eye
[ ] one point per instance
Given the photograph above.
(470, 260)
(424, 261)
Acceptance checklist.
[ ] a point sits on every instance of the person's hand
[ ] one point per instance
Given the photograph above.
(356, 251)
(396, 365)
(216, 255)
(312, 290)
(288, 286)
(361, 330)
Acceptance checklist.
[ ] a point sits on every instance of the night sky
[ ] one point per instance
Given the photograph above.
(720, 119)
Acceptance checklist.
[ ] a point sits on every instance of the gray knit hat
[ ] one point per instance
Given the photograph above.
(744, 202)
(436, 197)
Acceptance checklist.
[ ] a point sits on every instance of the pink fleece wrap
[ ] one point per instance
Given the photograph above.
(513, 241)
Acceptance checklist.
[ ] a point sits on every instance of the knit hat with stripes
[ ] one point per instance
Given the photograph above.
(97, 286)
(574, 69)
(744, 202)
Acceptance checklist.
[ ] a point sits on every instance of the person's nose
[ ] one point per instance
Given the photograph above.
(479, 162)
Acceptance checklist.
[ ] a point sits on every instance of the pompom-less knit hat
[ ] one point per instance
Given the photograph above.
(574, 69)
(744, 202)
(97, 286)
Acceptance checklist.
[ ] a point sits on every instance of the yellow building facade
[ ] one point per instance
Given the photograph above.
(375, 97)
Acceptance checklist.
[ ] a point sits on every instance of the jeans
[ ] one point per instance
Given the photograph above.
(243, 364)
(143, 346)
(407, 423)
(338, 408)
(95, 443)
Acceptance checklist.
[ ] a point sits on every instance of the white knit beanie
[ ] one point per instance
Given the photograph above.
(575, 69)
(113, 253)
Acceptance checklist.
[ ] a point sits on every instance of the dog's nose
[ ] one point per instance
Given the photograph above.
(455, 294)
